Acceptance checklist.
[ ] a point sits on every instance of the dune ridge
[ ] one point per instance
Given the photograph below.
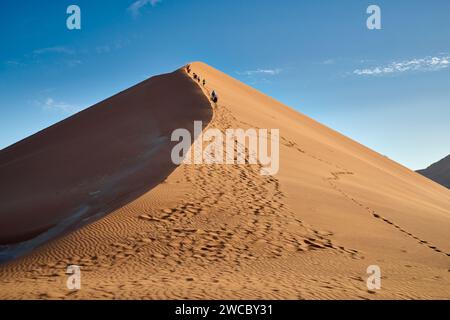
(226, 232)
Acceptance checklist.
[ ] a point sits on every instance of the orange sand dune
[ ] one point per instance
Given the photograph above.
(96, 161)
(216, 231)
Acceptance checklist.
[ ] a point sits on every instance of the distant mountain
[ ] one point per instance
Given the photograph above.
(439, 172)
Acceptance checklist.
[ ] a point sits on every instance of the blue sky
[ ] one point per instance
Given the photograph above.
(388, 89)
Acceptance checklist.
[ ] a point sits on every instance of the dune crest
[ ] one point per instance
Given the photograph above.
(226, 231)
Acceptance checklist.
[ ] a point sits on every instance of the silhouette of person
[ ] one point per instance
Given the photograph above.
(214, 96)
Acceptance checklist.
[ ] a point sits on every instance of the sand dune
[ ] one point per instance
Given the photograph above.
(216, 231)
(96, 161)
(439, 172)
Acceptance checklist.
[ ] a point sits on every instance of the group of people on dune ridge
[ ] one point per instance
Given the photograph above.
(214, 97)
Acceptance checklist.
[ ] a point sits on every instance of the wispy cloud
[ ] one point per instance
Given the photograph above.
(111, 46)
(14, 63)
(62, 50)
(60, 55)
(135, 7)
(419, 64)
(270, 72)
(51, 104)
(73, 63)
(103, 49)
(328, 62)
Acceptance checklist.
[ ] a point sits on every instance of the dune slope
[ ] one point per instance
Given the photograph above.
(225, 231)
(95, 161)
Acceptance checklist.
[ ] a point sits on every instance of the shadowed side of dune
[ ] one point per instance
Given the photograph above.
(95, 161)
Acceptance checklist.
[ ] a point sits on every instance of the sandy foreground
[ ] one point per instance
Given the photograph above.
(99, 190)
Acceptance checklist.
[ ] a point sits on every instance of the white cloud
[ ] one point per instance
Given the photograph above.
(135, 7)
(422, 64)
(111, 46)
(103, 49)
(51, 105)
(271, 72)
(63, 50)
(328, 61)
(69, 63)
(14, 63)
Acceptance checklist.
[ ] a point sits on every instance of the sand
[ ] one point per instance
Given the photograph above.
(215, 231)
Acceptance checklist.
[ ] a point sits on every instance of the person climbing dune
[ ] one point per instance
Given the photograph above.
(214, 96)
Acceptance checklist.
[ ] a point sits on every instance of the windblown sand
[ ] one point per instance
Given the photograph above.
(217, 231)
